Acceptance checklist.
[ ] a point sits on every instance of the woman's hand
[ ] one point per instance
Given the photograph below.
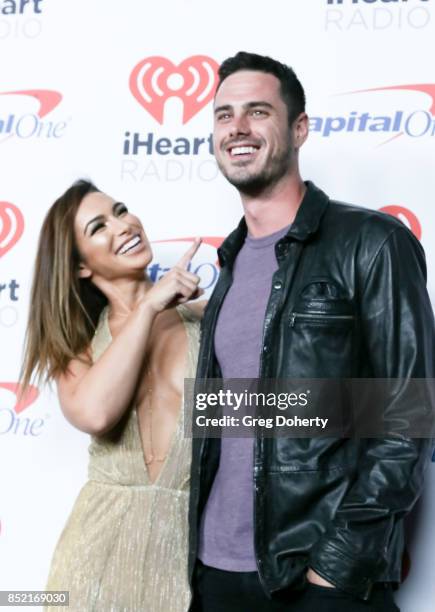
(177, 286)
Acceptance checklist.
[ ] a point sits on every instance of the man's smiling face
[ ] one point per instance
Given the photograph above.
(252, 139)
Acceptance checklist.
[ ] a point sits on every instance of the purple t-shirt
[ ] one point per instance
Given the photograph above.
(227, 525)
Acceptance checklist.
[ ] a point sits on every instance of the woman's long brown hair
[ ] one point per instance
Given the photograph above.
(64, 308)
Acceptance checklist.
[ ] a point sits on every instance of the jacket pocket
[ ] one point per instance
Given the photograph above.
(319, 334)
(320, 318)
(323, 300)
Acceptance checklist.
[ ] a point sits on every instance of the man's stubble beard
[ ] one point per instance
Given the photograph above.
(272, 172)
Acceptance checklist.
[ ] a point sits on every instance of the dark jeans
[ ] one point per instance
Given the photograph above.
(220, 591)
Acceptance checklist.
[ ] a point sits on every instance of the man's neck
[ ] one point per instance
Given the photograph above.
(274, 208)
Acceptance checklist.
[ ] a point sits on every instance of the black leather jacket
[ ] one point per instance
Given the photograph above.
(335, 505)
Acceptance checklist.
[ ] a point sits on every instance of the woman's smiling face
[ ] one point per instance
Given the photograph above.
(111, 241)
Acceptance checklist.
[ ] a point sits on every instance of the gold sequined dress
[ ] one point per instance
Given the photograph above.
(124, 547)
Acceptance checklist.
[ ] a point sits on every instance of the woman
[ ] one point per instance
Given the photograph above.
(119, 349)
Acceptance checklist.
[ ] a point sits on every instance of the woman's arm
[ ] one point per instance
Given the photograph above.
(94, 397)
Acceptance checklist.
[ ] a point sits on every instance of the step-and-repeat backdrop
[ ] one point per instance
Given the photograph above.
(121, 92)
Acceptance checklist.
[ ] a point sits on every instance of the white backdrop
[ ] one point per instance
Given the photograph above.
(78, 88)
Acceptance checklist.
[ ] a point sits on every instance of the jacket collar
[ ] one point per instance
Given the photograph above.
(306, 223)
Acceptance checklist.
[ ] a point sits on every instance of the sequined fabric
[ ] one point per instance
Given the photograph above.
(124, 547)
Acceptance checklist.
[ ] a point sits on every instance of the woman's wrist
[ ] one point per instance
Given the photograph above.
(146, 307)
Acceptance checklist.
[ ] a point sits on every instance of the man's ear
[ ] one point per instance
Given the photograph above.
(300, 130)
(84, 272)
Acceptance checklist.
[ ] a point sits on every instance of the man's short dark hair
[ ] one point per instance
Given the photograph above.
(291, 89)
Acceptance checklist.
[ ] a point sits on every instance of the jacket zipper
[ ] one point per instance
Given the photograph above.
(318, 316)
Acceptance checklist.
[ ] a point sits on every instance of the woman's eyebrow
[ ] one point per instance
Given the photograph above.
(97, 218)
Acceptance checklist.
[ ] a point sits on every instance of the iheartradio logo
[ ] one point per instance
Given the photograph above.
(11, 226)
(156, 79)
(407, 217)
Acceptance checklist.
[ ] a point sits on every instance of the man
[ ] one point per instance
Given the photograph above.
(309, 288)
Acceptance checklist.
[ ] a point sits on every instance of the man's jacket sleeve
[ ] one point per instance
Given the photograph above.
(397, 326)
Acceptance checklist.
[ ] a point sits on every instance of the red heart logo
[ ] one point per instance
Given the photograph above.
(26, 399)
(11, 226)
(156, 79)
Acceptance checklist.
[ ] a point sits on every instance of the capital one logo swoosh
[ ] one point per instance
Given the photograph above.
(425, 88)
(213, 241)
(24, 401)
(156, 79)
(406, 216)
(47, 98)
(167, 252)
(11, 226)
